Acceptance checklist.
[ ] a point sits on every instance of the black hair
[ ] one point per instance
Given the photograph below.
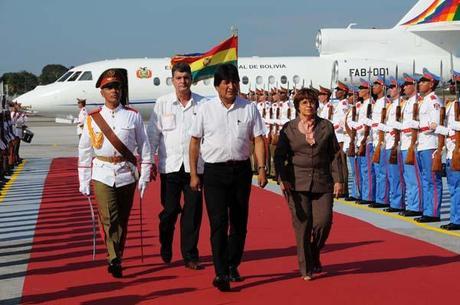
(226, 72)
(306, 94)
(181, 67)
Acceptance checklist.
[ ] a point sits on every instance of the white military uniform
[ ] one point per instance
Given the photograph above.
(338, 119)
(81, 120)
(377, 116)
(18, 120)
(168, 132)
(128, 126)
(391, 123)
(407, 114)
(362, 122)
(429, 112)
(323, 111)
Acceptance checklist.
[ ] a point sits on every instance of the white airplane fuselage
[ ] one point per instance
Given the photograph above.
(345, 54)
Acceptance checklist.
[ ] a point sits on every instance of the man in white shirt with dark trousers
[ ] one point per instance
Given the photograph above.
(168, 132)
(223, 132)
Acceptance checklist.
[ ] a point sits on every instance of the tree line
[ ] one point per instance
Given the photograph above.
(20, 82)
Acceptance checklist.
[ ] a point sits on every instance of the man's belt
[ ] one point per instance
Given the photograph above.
(231, 162)
(421, 129)
(114, 159)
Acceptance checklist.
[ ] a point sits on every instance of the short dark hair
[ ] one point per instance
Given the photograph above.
(226, 72)
(306, 94)
(181, 67)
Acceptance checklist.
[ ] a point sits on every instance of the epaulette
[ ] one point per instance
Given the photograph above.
(358, 105)
(387, 100)
(434, 97)
(95, 111)
(345, 103)
(131, 109)
(420, 98)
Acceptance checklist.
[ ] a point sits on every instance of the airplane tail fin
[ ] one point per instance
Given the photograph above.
(432, 13)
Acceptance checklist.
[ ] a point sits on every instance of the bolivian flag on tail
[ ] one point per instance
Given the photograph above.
(203, 65)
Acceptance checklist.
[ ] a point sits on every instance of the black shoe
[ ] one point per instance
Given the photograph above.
(450, 227)
(424, 219)
(359, 201)
(317, 268)
(166, 254)
(234, 275)
(376, 205)
(194, 265)
(409, 213)
(115, 268)
(351, 198)
(393, 210)
(222, 283)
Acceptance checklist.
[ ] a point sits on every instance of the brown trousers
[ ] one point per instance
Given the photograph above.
(312, 220)
(114, 207)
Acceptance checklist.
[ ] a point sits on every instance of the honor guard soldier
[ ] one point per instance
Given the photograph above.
(364, 145)
(228, 125)
(451, 131)
(409, 138)
(380, 160)
(168, 129)
(111, 134)
(392, 128)
(325, 109)
(350, 143)
(18, 119)
(81, 116)
(429, 116)
(275, 128)
(285, 112)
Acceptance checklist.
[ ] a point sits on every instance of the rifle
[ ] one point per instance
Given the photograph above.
(394, 148)
(410, 159)
(436, 166)
(376, 156)
(330, 112)
(367, 130)
(352, 133)
(456, 152)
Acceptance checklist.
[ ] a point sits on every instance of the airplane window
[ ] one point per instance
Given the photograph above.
(206, 82)
(245, 80)
(168, 81)
(156, 81)
(65, 76)
(296, 79)
(75, 76)
(86, 76)
(271, 79)
(259, 80)
(283, 79)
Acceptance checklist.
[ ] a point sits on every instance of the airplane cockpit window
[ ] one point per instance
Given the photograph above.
(156, 81)
(75, 76)
(65, 76)
(259, 80)
(168, 81)
(283, 79)
(245, 80)
(87, 75)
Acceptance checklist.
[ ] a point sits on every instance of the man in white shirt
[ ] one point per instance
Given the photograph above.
(114, 172)
(168, 131)
(223, 132)
(81, 116)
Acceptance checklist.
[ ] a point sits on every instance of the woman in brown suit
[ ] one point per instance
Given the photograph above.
(308, 167)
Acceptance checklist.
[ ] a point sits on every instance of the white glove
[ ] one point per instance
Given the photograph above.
(413, 124)
(382, 127)
(142, 186)
(85, 189)
(396, 125)
(455, 125)
(442, 130)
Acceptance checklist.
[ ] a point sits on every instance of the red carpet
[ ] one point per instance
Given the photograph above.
(364, 264)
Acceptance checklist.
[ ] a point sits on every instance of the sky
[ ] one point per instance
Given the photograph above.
(34, 33)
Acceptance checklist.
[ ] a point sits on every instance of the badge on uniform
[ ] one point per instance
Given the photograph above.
(168, 121)
(437, 106)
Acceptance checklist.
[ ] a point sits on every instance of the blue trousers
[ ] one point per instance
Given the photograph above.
(396, 180)
(431, 184)
(413, 184)
(354, 168)
(367, 175)
(453, 181)
(382, 187)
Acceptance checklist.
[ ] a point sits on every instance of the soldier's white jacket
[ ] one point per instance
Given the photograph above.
(323, 110)
(391, 123)
(284, 112)
(449, 130)
(127, 124)
(362, 122)
(81, 120)
(429, 111)
(338, 119)
(407, 115)
(377, 116)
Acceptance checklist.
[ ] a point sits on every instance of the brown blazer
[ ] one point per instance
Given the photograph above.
(310, 168)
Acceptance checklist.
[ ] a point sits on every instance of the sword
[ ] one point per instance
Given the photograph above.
(93, 220)
(142, 237)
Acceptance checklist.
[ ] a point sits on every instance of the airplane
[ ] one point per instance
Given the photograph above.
(428, 36)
